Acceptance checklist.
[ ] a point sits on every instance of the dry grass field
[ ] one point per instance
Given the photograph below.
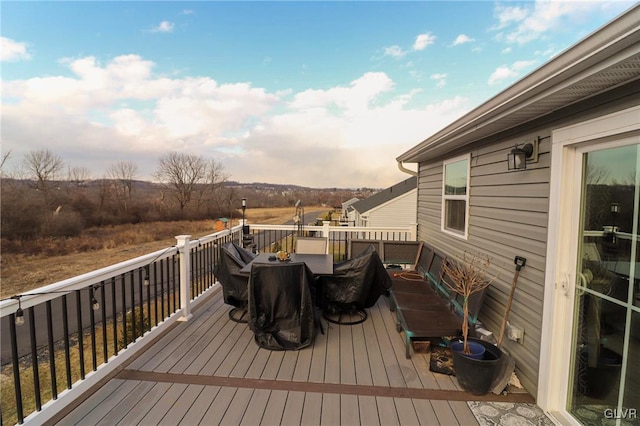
(100, 247)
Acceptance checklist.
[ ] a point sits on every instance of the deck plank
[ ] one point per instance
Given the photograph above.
(425, 412)
(303, 365)
(312, 409)
(463, 413)
(347, 360)
(406, 412)
(292, 414)
(246, 359)
(332, 371)
(330, 409)
(142, 407)
(196, 358)
(275, 408)
(231, 359)
(182, 406)
(368, 410)
(127, 400)
(361, 356)
(444, 413)
(319, 357)
(219, 406)
(349, 410)
(288, 366)
(387, 411)
(257, 405)
(200, 405)
(237, 407)
(273, 365)
(259, 364)
(374, 354)
(394, 373)
(223, 350)
(165, 404)
(102, 402)
(188, 335)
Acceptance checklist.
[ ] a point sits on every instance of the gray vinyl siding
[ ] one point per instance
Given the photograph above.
(507, 218)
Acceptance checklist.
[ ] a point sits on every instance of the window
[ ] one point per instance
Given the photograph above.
(455, 196)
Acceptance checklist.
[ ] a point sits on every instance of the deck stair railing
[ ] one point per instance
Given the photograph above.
(58, 341)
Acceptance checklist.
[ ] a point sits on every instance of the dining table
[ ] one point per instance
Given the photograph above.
(319, 264)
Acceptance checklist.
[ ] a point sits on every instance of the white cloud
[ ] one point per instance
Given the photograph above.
(344, 136)
(506, 72)
(164, 27)
(521, 25)
(424, 40)
(462, 39)
(507, 50)
(187, 12)
(11, 50)
(441, 79)
(394, 51)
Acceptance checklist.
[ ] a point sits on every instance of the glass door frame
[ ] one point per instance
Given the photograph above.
(568, 146)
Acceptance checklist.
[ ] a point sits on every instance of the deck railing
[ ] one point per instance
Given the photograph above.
(59, 340)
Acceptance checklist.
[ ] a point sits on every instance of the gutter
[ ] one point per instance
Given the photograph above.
(404, 169)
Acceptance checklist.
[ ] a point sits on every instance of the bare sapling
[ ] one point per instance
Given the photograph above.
(466, 278)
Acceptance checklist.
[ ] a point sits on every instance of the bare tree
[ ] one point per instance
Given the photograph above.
(123, 173)
(211, 189)
(181, 174)
(78, 175)
(44, 167)
(5, 157)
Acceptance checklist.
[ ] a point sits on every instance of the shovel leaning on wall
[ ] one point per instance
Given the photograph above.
(508, 364)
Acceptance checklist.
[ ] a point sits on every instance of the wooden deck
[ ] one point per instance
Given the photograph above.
(209, 371)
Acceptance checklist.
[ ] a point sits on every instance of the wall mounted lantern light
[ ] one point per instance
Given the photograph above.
(517, 158)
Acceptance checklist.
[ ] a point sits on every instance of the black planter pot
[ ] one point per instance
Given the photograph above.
(477, 375)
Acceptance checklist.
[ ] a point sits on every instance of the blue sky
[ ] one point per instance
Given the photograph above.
(321, 94)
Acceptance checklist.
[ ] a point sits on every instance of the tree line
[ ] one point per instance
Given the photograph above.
(43, 198)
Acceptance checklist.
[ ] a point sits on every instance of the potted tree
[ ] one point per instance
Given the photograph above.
(475, 369)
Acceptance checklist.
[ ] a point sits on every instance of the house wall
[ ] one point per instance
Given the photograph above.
(508, 216)
(401, 211)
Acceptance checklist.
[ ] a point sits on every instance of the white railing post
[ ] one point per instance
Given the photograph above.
(326, 224)
(185, 274)
(414, 231)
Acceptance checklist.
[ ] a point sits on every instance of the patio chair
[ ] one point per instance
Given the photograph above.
(234, 282)
(312, 245)
(281, 309)
(356, 284)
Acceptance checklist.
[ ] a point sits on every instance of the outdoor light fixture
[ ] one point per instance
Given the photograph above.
(519, 156)
(146, 275)
(94, 302)
(19, 313)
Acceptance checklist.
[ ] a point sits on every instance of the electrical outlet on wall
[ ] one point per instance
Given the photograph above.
(514, 333)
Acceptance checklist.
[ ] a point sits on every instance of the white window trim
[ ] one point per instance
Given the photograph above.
(464, 235)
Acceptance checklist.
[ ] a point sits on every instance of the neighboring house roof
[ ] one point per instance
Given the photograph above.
(350, 202)
(386, 195)
(607, 58)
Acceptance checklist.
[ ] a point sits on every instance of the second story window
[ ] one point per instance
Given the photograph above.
(455, 196)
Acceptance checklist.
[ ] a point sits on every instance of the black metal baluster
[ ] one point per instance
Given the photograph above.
(114, 315)
(155, 292)
(123, 292)
(141, 301)
(92, 322)
(176, 294)
(16, 367)
(52, 353)
(162, 301)
(80, 337)
(148, 295)
(105, 345)
(134, 335)
(67, 344)
(34, 358)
